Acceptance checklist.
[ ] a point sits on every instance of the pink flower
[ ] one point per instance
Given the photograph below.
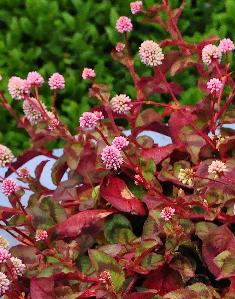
(120, 47)
(56, 81)
(226, 45)
(9, 186)
(4, 283)
(124, 25)
(216, 168)
(18, 267)
(138, 180)
(88, 74)
(120, 142)
(209, 53)
(41, 235)
(53, 121)
(23, 173)
(18, 87)
(136, 7)
(111, 157)
(32, 112)
(214, 85)
(6, 155)
(99, 115)
(35, 79)
(105, 277)
(167, 213)
(151, 53)
(4, 255)
(121, 104)
(88, 120)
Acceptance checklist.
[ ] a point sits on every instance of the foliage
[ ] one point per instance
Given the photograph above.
(129, 218)
(67, 35)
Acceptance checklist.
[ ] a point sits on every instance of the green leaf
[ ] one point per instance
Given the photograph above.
(103, 262)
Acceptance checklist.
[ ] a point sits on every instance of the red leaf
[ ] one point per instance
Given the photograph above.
(6, 213)
(219, 240)
(39, 169)
(116, 192)
(42, 288)
(164, 280)
(157, 153)
(74, 225)
(141, 295)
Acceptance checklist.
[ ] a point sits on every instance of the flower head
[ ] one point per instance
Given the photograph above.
(99, 115)
(23, 173)
(216, 168)
(120, 142)
(4, 255)
(214, 85)
(138, 180)
(56, 81)
(35, 79)
(53, 121)
(9, 186)
(18, 87)
(6, 155)
(88, 120)
(226, 45)
(18, 266)
(124, 24)
(151, 53)
(167, 213)
(111, 157)
(209, 53)
(186, 176)
(41, 235)
(121, 104)
(33, 115)
(3, 243)
(105, 277)
(4, 283)
(136, 7)
(120, 47)
(88, 74)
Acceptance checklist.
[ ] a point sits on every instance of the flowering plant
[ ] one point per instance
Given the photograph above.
(127, 218)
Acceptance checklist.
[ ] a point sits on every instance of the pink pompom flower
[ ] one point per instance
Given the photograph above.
(136, 7)
(99, 115)
(88, 73)
(4, 283)
(151, 53)
(121, 104)
(210, 53)
(18, 88)
(9, 186)
(56, 81)
(214, 85)
(32, 112)
(4, 255)
(120, 47)
(35, 79)
(124, 24)
(18, 267)
(216, 168)
(226, 45)
(41, 235)
(88, 120)
(111, 157)
(167, 213)
(120, 142)
(6, 155)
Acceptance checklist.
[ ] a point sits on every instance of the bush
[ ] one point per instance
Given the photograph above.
(66, 36)
(127, 218)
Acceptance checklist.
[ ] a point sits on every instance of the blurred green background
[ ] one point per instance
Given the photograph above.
(67, 35)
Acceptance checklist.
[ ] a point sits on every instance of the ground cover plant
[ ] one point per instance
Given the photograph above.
(127, 218)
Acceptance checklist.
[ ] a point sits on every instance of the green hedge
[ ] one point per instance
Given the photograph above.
(67, 35)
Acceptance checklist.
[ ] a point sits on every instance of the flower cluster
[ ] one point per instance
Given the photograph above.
(32, 111)
(41, 235)
(167, 213)
(18, 87)
(151, 53)
(136, 7)
(88, 120)
(121, 104)
(56, 81)
(34, 79)
(214, 85)
(88, 73)
(120, 142)
(210, 53)
(112, 157)
(6, 155)
(9, 186)
(17, 266)
(124, 24)
(186, 176)
(120, 47)
(226, 45)
(216, 168)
